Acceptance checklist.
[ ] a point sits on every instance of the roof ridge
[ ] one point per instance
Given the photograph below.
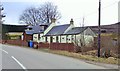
(62, 24)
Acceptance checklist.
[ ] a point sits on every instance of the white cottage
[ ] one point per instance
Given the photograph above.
(80, 34)
(66, 33)
(55, 35)
(43, 29)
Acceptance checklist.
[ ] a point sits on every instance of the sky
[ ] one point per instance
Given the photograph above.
(76, 9)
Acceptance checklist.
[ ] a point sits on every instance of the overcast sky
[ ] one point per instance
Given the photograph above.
(75, 9)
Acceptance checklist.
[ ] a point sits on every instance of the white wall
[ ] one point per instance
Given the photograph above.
(54, 38)
(59, 39)
(87, 37)
(88, 31)
(42, 38)
(63, 39)
(48, 39)
(69, 40)
(39, 38)
(35, 37)
(89, 40)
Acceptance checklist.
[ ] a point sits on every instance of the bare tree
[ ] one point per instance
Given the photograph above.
(49, 11)
(44, 14)
(80, 42)
(30, 16)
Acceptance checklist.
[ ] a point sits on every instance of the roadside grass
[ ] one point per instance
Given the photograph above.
(83, 57)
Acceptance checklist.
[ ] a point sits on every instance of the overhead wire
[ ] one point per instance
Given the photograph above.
(94, 12)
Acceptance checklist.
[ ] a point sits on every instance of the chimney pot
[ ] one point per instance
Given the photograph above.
(71, 21)
(53, 20)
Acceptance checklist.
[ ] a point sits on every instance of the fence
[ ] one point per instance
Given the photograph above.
(57, 46)
(16, 42)
(43, 45)
(54, 46)
(62, 46)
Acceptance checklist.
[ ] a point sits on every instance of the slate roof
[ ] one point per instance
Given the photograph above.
(112, 28)
(29, 26)
(35, 29)
(58, 30)
(75, 30)
(29, 32)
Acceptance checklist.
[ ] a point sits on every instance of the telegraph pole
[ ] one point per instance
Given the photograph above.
(0, 21)
(1, 15)
(99, 30)
(2, 33)
(83, 29)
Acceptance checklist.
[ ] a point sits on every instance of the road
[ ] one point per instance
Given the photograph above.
(15, 57)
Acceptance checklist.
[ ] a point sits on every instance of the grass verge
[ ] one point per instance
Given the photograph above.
(83, 57)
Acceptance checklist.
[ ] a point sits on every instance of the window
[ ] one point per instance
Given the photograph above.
(72, 38)
(35, 37)
(56, 38)
(38, 36)
(45, 39)
(66, 38)
(30, 28)
(53, 38)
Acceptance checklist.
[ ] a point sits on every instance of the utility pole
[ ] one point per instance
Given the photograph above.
(99, 30)
(2, 33)
(1, 15)
(83, 38)
(0, 22)
(83, 21)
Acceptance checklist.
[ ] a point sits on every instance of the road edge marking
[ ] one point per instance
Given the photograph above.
(5, 51)
(18, 62)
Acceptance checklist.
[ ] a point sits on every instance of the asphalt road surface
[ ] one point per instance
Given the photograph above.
(15, 57)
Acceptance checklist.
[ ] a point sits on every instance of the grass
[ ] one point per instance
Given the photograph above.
(113, 36)
(13, 36)
(83, 57)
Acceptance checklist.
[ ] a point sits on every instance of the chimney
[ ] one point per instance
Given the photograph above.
(53, 20)
(71, 21)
